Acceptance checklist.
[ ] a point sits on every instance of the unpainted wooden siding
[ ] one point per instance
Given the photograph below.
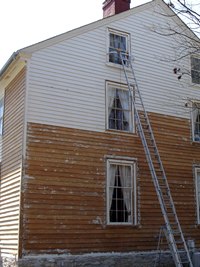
(67, 79)
(11, 163)
(65, 188)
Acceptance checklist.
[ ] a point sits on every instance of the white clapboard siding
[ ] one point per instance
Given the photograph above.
(67, 79)
(11, 164)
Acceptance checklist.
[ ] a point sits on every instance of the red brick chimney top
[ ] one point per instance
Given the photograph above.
(112, 7)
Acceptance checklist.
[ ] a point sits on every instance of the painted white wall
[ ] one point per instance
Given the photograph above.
(67, 79)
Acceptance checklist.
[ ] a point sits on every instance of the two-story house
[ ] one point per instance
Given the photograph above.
(75, 185)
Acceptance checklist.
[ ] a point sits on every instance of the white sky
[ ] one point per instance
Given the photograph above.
(25, 22)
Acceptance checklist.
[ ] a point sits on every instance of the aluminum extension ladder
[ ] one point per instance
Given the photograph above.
(175, 236)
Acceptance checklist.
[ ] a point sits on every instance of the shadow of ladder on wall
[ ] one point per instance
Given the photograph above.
(174, 233)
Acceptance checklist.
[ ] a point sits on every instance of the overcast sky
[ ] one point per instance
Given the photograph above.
(25, 22)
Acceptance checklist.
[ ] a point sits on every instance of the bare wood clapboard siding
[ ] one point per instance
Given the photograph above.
(65, 188)
(11, 163)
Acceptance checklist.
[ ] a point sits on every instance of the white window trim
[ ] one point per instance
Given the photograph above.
(190, 71)
(197, 197)
(128, 45)
(119, 86)
(131, 163)
(192, 120)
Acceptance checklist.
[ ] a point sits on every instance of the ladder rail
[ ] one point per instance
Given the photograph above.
(125, 57)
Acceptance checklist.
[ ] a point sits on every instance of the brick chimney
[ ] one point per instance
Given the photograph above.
(112, 7)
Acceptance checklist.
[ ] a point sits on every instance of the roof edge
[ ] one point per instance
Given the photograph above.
(60, 37)
(12, 61)
(12, 58)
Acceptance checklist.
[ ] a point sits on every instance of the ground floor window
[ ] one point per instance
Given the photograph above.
(197, 179)
(121, 195)
(196, 121)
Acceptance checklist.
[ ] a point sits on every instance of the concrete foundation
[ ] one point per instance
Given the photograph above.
(91, 260)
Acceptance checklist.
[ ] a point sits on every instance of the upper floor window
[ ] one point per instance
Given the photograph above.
(196, 121)
(197, 180)
(195, 70)
(117, 41)
(1, 115)
(121, 192)
(119, 108)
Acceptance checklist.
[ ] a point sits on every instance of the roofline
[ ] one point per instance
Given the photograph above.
(72, 33)
(12, 58)
(84, 28)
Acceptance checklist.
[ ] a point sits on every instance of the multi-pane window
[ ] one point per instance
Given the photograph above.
(196, 122)
(197, 178)
(118, 41)
(119, 110)
(120, 192)
(195, 70)
(1, 115)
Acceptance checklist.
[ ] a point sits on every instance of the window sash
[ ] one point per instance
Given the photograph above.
(195, 70)
(1, 115)
(196, 122)
(117, 40)
(197, 178)
(119, 109)
(123, 208)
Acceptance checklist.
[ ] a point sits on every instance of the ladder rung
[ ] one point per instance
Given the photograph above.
(179, 242)
(142, 117)
(170, 214)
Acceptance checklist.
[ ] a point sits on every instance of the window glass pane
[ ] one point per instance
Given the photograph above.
(1, 107)
(116, 42)
(198, 190)
(1, 115)
(119, 109)
(196, 122)
(1, 126)
(195, 70)
(120, 193)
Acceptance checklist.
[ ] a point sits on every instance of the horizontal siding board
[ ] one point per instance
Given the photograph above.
(65, 187)
(71, 81)
(11, 163)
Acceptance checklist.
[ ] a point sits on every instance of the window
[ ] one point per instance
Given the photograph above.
(197, 179)
(1, 115)
(117, 40)
(196, 121)
(119, 108)
(195, 70)
(1, 124)
(120, 192)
